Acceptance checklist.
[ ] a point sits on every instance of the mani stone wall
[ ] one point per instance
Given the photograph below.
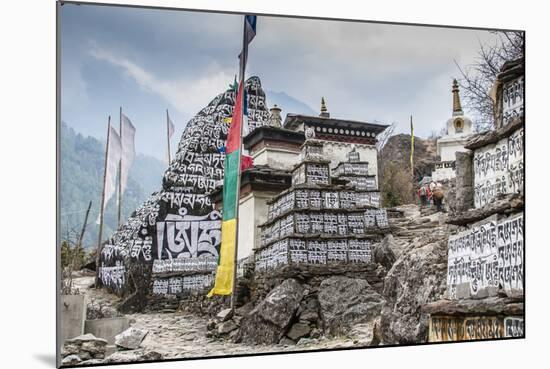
(485, 267)
(170, 244)
(316, 222)
(498, 154)
(453, 328)
(487, 258)
(498, 168)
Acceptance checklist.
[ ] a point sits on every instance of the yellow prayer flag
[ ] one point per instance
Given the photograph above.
(224, 274)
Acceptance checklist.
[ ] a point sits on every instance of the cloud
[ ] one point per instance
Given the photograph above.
(75, 87)
(187, 95)
(365, 71)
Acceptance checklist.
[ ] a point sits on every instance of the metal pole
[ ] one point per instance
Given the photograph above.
(101, 212)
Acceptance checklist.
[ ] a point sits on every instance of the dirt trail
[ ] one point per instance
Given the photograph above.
(183, 335)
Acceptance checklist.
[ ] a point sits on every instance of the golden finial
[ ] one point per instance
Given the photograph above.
(457, 108)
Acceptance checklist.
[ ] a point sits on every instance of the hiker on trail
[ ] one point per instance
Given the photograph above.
(423, 194)
(438, 196)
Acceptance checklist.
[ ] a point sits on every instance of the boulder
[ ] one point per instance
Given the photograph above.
(285, 341)
(245, 309)
(92, 362)
(416, 278)
(226, 327)
(298, 330)
(347, 301)
(93, 347)
(88, 337)
(133, 356)
(71, 360)
(383, 252)
(309, 315)
(69, 349)
(131, 338)
(224, 315)
(269, 320)
(86, 347)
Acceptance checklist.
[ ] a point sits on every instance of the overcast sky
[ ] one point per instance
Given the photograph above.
(152, 60)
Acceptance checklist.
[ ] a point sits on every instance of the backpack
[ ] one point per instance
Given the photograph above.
(423, 191)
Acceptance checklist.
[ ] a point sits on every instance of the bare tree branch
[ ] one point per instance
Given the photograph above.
(477, 79)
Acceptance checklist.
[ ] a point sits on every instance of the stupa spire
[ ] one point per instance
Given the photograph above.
(324, 110)
(457, 108)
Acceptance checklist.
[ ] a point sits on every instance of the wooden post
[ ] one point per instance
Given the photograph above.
(101, 212)
(78, 246)
(84, 225)
(412, 149)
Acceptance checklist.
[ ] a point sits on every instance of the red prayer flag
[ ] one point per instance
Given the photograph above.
(234, 135)
(246, 162)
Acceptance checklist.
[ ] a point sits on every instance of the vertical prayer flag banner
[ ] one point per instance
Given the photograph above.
(127, 137)
(226, 263)
(171, 127)
(249, 34)
(114, 152)
(170, 132)
(250, 27)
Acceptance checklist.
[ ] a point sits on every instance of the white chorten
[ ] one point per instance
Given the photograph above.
(459, 129)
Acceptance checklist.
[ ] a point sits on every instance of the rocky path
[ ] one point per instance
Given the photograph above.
(415, 226)
(418, 275)
(418, 244)
(183, 335)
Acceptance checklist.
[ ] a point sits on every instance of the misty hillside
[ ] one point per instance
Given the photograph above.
(82, 160)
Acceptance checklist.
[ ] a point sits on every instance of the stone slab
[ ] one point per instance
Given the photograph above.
(73, 315)
(107, 328)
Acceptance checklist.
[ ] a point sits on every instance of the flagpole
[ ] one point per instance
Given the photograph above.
(101, 209)
(168, 135)
(412, 148)
(242, 72)
(120, 172)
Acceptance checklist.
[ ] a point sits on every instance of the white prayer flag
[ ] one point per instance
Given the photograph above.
(127, 135)
(171, 129)
(114, 151)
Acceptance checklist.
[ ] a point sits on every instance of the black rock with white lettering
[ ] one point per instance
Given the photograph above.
(170, 244)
